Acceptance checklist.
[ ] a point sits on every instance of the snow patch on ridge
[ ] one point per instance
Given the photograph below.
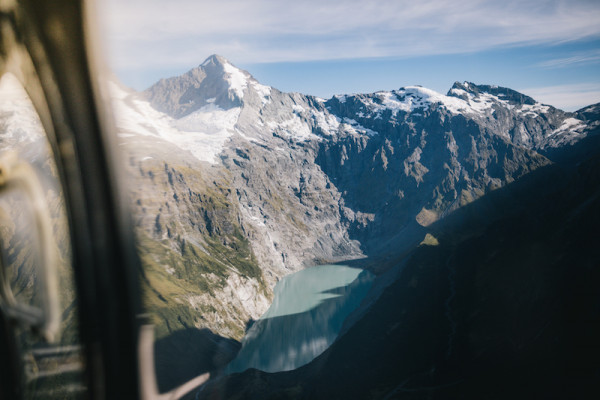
(327, 122)
(423, 98)
(573, 125)
(570, 130)
(210, 119)
(203, 133)
(534, 110)
(413, 98)
(354, 127)
(333, 125)
(341, 97)
(238, 81)
(263, 91)
(293, 127)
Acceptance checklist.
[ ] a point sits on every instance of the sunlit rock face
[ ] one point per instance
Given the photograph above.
(236, 184)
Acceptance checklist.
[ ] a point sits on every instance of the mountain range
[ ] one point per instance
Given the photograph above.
(236, 184)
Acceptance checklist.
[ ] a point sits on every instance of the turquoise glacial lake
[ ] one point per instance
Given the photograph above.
(307, 313)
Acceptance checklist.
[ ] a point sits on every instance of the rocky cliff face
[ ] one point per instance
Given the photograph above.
(503, 304)
(237, 184)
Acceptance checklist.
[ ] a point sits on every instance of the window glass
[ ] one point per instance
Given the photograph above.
(38, 296)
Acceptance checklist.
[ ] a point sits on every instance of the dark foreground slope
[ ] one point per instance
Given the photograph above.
(506, 306)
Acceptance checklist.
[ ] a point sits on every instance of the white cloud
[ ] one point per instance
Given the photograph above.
(183, 32)
(566, 97)
(582, 58)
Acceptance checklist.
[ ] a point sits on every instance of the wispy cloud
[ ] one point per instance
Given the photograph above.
(582, 58)
(182, 32)
(566, 97)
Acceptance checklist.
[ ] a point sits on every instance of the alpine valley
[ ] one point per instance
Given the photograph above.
(236, 184)
(466, 207)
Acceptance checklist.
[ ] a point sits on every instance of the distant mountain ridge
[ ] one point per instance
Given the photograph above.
(221, 163)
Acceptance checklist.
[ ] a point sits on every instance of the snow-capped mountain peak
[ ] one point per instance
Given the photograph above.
(218, 67)
(469, 90)
(215, 60)
(203, 108)
(215, 82)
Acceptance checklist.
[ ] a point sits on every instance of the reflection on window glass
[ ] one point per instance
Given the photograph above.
(38, 298)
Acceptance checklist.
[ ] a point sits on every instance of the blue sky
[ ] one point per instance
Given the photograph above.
(548, 49)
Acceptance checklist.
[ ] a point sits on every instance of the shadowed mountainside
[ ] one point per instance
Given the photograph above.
(503, 304)
(188, 353)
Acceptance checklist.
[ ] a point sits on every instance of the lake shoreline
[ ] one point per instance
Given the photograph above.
(308, 313)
